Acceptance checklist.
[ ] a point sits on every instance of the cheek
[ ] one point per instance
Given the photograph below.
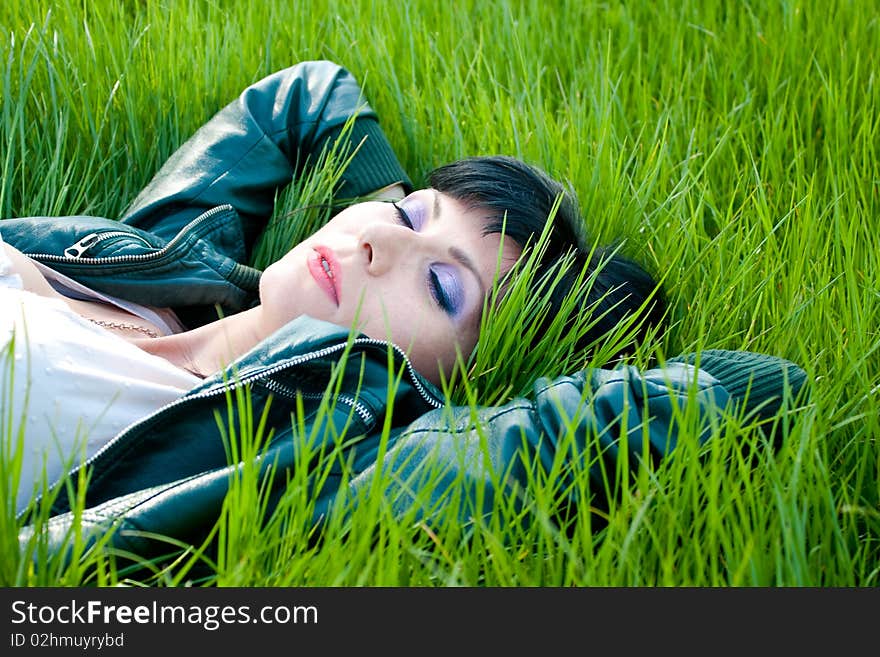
(351, 219)
(416, 327)
(435, 348)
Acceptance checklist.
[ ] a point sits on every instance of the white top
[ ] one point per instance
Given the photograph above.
(68, 386)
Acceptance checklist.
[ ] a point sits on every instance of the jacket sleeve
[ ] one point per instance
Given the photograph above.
(585, 434)
(456, 460)
(273, 132)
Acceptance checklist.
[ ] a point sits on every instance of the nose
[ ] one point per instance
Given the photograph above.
(386, 246)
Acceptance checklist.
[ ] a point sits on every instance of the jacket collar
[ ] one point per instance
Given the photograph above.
(306, 339)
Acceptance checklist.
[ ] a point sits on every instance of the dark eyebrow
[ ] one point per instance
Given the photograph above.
(463, 258)
(457, 254)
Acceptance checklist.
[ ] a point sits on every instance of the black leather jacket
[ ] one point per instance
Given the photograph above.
(184, 244)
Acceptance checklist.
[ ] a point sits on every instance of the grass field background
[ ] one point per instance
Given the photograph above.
(733, 147)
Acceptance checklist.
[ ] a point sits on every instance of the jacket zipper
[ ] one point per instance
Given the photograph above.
(413, 375)
(76, 251)
(286, 391)
(223, 388)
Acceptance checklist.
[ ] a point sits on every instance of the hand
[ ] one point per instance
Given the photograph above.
(393, 192)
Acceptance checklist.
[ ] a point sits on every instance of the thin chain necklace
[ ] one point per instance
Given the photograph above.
(125, 326)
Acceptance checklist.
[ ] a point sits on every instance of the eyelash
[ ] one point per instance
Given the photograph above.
(439, 294)
(403, 217)
(436, 289)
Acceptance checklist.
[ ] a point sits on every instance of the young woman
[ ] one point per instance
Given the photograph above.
(127, 339)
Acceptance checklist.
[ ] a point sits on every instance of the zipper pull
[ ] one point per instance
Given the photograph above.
(77, 249)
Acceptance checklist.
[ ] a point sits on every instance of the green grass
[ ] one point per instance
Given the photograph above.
(733, 147)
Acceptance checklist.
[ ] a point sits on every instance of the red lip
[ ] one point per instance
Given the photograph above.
(329, 282)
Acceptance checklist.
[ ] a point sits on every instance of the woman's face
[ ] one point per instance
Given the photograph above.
(415, 272)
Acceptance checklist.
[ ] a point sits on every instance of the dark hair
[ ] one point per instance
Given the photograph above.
(523, 196)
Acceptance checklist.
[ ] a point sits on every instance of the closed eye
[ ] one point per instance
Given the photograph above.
(439, 293)
(443, 282)
(403, 217)
(446, 288)
(411, 212)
